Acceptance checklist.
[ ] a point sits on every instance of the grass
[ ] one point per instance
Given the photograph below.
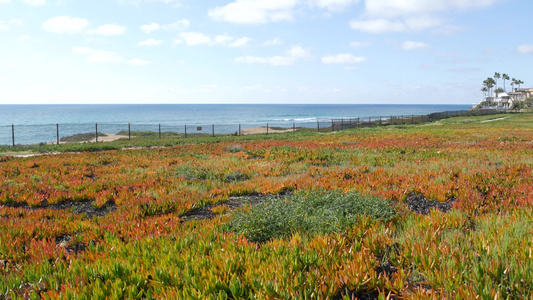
(308, 213)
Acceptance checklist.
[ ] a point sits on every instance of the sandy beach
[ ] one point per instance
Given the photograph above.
(109, 137)
(262, 130)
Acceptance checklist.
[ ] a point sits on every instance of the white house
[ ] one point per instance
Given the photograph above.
(505, 100)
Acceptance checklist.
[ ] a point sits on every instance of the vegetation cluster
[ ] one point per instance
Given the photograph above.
(298, 215)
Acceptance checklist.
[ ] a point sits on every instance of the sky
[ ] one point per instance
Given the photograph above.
(260, 51)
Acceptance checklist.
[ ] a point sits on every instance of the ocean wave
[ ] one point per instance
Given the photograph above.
(299, 119)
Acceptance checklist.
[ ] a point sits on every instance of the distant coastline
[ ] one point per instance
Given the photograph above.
(33, 124)
(174, 114)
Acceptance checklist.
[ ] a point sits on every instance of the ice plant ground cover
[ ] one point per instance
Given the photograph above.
(174, 222)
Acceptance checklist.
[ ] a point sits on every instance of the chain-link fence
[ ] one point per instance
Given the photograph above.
(70, 133)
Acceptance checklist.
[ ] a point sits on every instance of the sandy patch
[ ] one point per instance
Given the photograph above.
(109, 137)
(263, 129)
(492, 120)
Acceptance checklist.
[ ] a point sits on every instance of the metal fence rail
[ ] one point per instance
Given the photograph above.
(57, 133)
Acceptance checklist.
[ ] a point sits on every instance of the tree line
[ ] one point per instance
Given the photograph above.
(491, 82)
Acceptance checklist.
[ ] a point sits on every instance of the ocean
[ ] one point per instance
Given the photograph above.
(38, 123)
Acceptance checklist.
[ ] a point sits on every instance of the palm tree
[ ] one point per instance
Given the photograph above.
(505, 77)
(484, 90)
(489, 84)
(513, 82)
(498, 91)
(519, 83)
(497, 76)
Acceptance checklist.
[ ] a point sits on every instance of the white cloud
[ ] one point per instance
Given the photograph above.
(164, 1)
(5, 1)
(178, 25)
(197, 38)
(223, 39)
(298, 52)
(64, 24)
(150, 27)
(378, 26)
(194, 38)
(266, 11)
(383, 16)
(138, 62)
(254, 11)
(398, 8)
(150, 42)
(240, 42)
(273, 42)
(334, 5)
(525, 49)
(273, 60)
(385, 25)
(357, 44)
(35, 2)
(138, 2)
(94, 55)
(344, 58)
(291, 56)
(3, 27)
(410, 45)
(108, 29)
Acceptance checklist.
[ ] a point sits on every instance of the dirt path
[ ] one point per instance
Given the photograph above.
(492, 120)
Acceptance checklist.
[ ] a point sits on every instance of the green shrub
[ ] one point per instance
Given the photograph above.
(309, 213)
(81, 137)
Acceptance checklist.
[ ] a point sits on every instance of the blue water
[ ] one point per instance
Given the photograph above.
(37, 123)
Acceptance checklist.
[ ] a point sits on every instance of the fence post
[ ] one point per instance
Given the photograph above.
(13, 133)
(379, 120)
(213, 129)
(185, 130)
(129, 131)
(239, 129)
(342, 123)
(57, 133)
(317, 126)
(332, 125)
(358, 121)
(159, 130)
(293, 127)
(267, 128)
(96, 135)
